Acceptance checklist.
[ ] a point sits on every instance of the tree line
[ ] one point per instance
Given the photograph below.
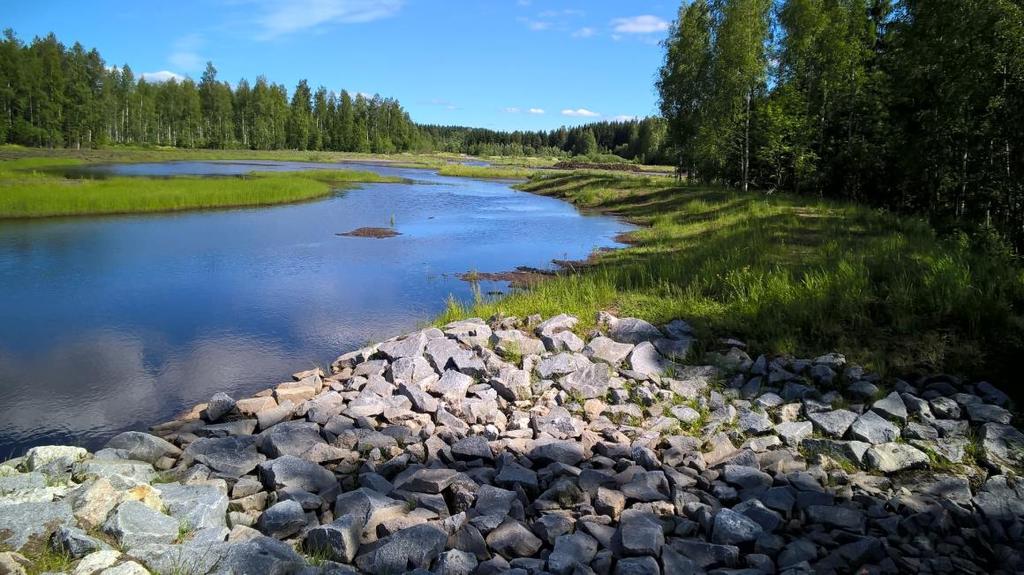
(910, 104)
(51, 96)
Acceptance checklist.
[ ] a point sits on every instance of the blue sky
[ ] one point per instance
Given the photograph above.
(503, 64)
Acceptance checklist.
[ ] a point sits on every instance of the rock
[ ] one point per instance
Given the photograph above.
(945, 408)
(93, 501)
(291, 472)
(411, 346)
(472, 447)
(455, 562)
(133, 524)
(637, 566)
(513, 343)
(833, 423)
(13, 563)
(129, 568)
(513, 384)
(674, 349)
(557, 451)
(195, 506)
(570, 551)
(891, 407)
(411, 548)
(609, 502)
(753, 422)
(370, 507)
(62, 455)
(271, 416)
(258, 555)
(421, 400)
(588, 382)
(232, 456)
(95, 562)
(985, 413)
(453, 386)
(219, 405)
(122, 473)
(731, 528)
(748, 479)
(143, 446)
(512, 474)
(75, 542)
(892, 457)
(429, 480)
(607, 350)
(1002, 446)
(632, 330)
(300, 439)
(21, 523)
(563, 341)
(282, 519)
(511, 539)
(338, 540)
(874, 429)
(837, 517)
(707, 554)
(646, 360)
(639, 533)
(794, 432)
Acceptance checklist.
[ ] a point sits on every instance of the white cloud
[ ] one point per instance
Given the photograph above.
(535, 25)
(282, 17)
(537, 111)
(645, 24)
(161, 76)
(584, 33)
(511, 110)
(185, 53)
(580, 113)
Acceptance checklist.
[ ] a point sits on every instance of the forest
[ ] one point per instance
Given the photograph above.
(55, 96)
(913, 105)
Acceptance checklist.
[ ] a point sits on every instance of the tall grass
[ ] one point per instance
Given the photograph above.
(503, 173)
(790, 275)
(31, 188)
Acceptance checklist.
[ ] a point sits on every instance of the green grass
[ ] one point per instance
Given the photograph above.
(788, 275)
(36, 187)
(494, 172)
(45, 559)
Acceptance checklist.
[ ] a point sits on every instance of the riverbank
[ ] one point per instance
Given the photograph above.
(542, 446)
(789, 275)
(39, 187)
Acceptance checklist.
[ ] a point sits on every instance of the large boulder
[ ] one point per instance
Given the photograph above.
(412, 548)
(134, 524)
(295, 473)
(21, 523)
(196, 506)
(143, 446)
(231, 456)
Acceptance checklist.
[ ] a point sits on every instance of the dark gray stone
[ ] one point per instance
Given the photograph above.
(282, 519)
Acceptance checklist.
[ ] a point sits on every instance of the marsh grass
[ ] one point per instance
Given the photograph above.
(486, 172)
(789, 275)
(36, 187)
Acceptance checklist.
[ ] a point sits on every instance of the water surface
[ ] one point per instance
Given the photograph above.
(114, 323)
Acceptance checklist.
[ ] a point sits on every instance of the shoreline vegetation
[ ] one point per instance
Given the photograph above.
(40, 187)
(789, 274)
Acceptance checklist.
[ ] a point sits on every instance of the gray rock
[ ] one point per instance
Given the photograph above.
(421, 400)
(632, 330)
(607, 350)
(707, 554)
(21, 523)
(323, 407)
(133, 524)
(270, 417)
(196, 506)
(647, 486)
(338, 540)
(295, 438)
(637, 566)
(645, 359)
(472, 447)
(456, 562)
(833, 423)
(639, 533)
(258, 555)
(557, 451)
(891, 407)
(837, 517)
(588, 382)
(410, 346)
(219, 405)
(453, 386)
(746, 478)
(415, 547)
(511, 539)
(1002, 446)
(753, 422)
(731, 528)
(874, 429)
(291, 472)
(794, 432)
(513, 384)
(512, 342)
(986, 413)
(75, 542)
(945, 408)
(892, 457)
(282, 519)
(143, 446)
(512, 474)
(563, 341)
(60, 456)
(559, 323)
(570, 551)
(369, 506)
(232, 456)
(429, 480)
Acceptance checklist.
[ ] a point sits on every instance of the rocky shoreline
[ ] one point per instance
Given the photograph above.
(517, 446)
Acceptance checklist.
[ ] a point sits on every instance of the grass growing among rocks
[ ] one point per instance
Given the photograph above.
(789, 275)
(35, 187)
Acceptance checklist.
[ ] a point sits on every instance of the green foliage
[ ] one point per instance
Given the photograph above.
(502, 173)
(31, 190)
(788, 275)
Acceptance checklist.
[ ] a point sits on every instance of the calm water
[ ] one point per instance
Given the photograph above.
(114, 323)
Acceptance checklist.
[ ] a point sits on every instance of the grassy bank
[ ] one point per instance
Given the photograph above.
(789, 275)
(486, 172)
(34, 187)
